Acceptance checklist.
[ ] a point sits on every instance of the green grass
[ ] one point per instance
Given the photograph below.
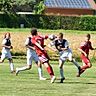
(45, 30)
(27, 83)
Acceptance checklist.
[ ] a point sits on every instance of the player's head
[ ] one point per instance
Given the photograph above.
(7, 35)
(87, 37)
(34, 32)
(60, 36)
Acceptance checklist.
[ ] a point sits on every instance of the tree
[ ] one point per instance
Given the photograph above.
(39, 7)
(8, 6)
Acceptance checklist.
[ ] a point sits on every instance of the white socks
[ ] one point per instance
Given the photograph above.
(40, 72)
(11, 66)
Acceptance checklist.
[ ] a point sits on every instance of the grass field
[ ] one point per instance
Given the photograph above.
(74, 37)
(27, 83)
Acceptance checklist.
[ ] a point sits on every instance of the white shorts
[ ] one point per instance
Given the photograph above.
(65, 55)
(6, 55)
(31, 57)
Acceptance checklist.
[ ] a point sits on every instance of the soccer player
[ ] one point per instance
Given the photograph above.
(31, 55)
(65, 53)
(84, 49)
(6, 44)
(41, 52)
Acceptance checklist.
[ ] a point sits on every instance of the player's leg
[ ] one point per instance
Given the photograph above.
(86, 63)
(10, 62)
(61, 62)
(39, 65)
(71, 59)
(45, 61)
(27, 67)
(62, 59)
(50, 71)
(3, 56)
(11, 65)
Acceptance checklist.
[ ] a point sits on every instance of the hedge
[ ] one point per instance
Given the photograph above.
(87, 23)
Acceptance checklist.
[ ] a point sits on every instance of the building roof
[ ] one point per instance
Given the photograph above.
(74, 4)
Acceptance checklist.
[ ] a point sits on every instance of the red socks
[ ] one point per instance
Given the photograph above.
(50, 71)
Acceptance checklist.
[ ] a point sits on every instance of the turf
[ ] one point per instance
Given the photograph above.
(27, 83)
(45, 30)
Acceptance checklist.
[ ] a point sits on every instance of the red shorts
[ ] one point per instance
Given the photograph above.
(85, 59)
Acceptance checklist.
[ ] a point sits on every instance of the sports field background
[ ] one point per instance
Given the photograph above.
(74, 37)
(27, 83)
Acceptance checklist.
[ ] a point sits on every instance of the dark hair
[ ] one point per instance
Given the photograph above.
(33, 31)
(88, 35)
(61, 34)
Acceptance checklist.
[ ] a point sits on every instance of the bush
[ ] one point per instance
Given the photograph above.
(86, 23)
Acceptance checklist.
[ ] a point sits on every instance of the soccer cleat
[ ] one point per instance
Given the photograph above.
(53, 79)
(42, 78)
(62, 79)
(17, 71)
(80, 72)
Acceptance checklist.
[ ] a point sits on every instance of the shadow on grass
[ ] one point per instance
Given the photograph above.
(89, 83)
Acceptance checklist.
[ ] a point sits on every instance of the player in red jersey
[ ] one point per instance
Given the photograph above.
(38, 41)
(84, 49)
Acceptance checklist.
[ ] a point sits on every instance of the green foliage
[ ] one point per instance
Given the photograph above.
(87, 23)
(39, 8)
(50, 22)
(6, 5)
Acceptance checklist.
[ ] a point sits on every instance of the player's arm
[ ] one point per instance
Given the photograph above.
(82, 51)
(92, 47)
(51, 47)
(39, 46)
(65, 48)
(3, 45)
(8, 47)
(31, 47)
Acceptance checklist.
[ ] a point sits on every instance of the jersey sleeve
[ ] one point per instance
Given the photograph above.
(66, 44)
(4, 41)
(27, 41)
(46, 36)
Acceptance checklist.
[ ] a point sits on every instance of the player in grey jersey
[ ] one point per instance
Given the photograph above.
(6, 44)
(65, 53)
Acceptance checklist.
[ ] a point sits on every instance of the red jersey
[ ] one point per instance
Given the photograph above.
(39, 39)
(85, 46)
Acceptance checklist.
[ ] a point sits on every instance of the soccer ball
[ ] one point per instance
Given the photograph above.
(52, 37)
